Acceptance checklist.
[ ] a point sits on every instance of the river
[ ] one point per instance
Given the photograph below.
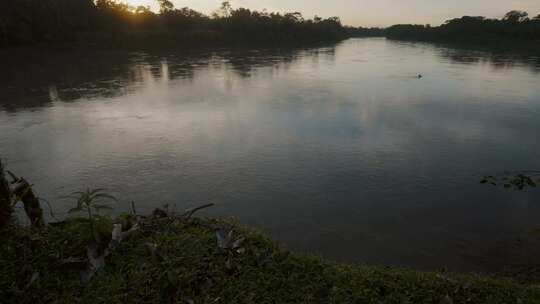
(339, 150)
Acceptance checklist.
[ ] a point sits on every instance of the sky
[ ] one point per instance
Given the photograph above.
(372, 12)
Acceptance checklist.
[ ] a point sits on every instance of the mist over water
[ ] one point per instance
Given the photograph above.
(339, 150)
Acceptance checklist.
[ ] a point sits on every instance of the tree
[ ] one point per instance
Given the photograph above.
(142, 10)
(113, 21)
(226, 9)
(104, 4)
(295, 17)
(516, 16)
(336, 20)
(537, 18)
(165, 6)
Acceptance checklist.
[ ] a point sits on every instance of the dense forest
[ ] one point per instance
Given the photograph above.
(515, 26)
(114, 23)
(106, 22)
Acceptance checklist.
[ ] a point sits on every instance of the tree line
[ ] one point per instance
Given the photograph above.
(34, 22)
(515, 26)
(115, 23)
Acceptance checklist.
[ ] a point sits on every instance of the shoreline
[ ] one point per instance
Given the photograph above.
(519, 47)
(174, 45)
(181, 259)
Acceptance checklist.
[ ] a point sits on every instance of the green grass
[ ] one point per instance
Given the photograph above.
(191, 268)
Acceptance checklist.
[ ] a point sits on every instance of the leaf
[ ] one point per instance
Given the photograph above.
(95, 191)
(225, 240)
(70, 196)
(103, 195)
(77, 194)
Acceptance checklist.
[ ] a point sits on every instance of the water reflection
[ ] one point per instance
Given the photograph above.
(497, 60)
(339, 149)
(37, 79)
(494, 58)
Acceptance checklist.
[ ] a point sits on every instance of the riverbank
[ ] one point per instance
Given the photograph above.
(113, 24)
(171, 259)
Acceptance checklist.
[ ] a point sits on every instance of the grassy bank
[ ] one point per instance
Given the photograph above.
(180, 260)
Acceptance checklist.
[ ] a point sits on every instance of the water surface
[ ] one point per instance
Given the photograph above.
(338, 150)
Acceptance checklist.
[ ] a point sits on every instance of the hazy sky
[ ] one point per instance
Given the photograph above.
(374, 12)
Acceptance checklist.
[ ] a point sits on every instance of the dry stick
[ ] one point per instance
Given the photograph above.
(5, 198)
(13, 176)
(96, 261)
(190, 212)
(51, 211)
(133, 208)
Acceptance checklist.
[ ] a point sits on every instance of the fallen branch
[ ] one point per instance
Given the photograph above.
(189, 212)
(96, 258)
(5, 198)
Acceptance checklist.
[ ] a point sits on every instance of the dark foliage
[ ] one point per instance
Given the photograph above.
(514, 27)
(364, 32)
(110, 22)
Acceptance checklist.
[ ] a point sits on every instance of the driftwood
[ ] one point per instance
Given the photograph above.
(22, 190)
(5, 198)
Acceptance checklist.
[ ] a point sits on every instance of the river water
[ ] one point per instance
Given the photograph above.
(340, 150)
